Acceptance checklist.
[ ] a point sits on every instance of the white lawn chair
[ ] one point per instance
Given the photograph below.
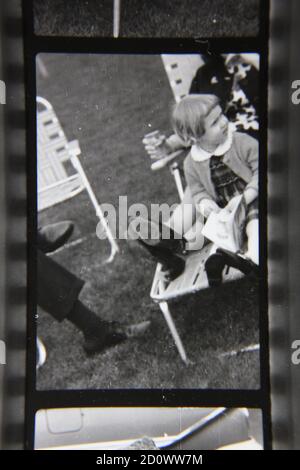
(194, 278)
(180, 69)
(60, 173)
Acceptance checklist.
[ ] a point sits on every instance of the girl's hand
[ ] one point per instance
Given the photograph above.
(156, 145)
(207, 206)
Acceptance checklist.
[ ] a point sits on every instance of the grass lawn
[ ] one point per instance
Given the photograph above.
(148, 18)
(109, 102)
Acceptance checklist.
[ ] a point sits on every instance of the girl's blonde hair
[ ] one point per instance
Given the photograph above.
(188, 115)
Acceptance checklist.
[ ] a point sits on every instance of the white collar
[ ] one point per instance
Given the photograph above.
(200, 155)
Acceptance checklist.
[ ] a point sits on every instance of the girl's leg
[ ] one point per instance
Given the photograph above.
(194, 236)
(184, 215)
(187, 222)
(252, 230)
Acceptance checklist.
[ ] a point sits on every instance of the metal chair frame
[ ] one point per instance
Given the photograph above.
(194, 278)
(60, 173)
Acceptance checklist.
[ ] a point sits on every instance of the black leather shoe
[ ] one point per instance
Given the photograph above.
(115, 333)
(245, 265)
(214, 266)
(53, 236)
(172, 264)
(156, 235)
(164, 250)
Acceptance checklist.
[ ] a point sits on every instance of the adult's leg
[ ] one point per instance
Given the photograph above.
(57, 293)
(57, 288)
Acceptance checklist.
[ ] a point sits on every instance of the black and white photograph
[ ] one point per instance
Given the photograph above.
(147, 18)
(148, 429)
(148, 245)
(149, 229)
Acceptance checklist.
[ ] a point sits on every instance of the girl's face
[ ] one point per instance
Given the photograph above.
(216, 129)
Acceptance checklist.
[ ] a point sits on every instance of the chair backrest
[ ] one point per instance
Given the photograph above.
(58, 180)
(180, 69)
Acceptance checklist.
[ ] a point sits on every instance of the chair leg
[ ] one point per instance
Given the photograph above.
(117, 17)
(113, 244)
(170, 322)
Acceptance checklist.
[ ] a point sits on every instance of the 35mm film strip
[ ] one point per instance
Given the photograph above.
(283, 224)
(13, 227)
(20, 221)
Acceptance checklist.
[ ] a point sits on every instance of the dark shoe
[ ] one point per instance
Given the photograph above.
(116, 333)
(172, 266)
(53, 236)
(245, 265)
(132, 331)
(214, 266)
(156, 235)
(165, 251)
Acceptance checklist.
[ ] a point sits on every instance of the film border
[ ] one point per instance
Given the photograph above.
(14, 227)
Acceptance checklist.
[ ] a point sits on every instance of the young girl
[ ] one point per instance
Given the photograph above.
(219, 168)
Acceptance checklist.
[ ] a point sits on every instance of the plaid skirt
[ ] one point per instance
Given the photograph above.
(228, 184)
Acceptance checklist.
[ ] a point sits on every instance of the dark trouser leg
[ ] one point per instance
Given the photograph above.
(57, 288)
(57, 294)
(58, 291)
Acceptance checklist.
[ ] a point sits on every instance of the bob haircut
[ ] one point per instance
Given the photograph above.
(189, 114)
